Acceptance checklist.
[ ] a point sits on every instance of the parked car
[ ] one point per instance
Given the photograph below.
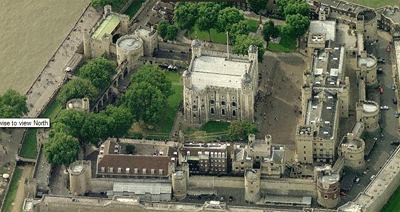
(395, 101)
(357, 180)
(396, 114)
(379, 70)
(373, 177)
(381, 90)
(381, 60)
(395, 142)
(393, 87)
(343, 193)
(384, 107)
(388, 48)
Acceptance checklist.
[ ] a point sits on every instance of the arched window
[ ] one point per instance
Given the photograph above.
(212, 111)
(223, 111)
(233, 104)
(233, 112)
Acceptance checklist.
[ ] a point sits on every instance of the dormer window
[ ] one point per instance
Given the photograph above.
(111, 170)
(160, 171)
(144, 171)
(127, 170)
(119, 170)
(152, 171)
(103, 169)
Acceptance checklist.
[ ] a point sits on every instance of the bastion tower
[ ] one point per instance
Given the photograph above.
(80, 174)
(252, 185)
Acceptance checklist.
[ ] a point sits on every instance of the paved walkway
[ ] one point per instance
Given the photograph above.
(20, 196)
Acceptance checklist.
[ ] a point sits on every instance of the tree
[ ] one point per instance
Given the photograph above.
(145, 101)
(130, 149)
(257, 5)
(61, 149)
(73, 120)
(154, 76)
(172, 32)
(207, 16)
(162, 28)
(98, 71)
(227, 17)
(77, 88)
(58, 127)
(298, 25)
(121, 118)
(269, 30)
(13, 105)
(241, 28)
(95, 128)
(297, 7)
(185, 15)
(243, 42)
(102, 3)
(241, 130)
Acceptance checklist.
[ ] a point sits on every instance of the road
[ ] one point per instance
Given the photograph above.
(389, 124)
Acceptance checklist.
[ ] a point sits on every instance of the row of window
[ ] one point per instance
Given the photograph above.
(212, 102)
(223, 112)
(205, 165)
(128, 171)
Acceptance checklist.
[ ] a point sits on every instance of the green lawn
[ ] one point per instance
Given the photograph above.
(134, 7)
(286, 44)
(376, 3)
(52, 110)
(216, 37)
(393, 205)
(29, 149)
(164, 127)
(12, 191)
(215, 127)
(253, 25)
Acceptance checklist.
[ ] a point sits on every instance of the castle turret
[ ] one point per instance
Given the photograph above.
(252, 185)
(86, 45)
(268, 141)
(125, 23)
(253, 53)
(196, 48)
(328, 187)
(80, 174)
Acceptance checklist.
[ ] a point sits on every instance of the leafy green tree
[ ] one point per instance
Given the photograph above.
(243, 42)
(130, 149)
(297, 7)
(77, 88)
(227, 17)
(98, 71)
(162, 28)
(13, 104)
(154, 76)
(95, 128)
(58, 127)
(298, 25)
(269, 30)
(241, 130)
(61, 149)
(207, 16)
(73, 119)
(172, 32)
(257, 5)
(241, 28)
(145, 101)
(185, 15)
(226, 4)
(121, 120)
(102, 3)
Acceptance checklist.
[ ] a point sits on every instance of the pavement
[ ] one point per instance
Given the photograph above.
(389, 124)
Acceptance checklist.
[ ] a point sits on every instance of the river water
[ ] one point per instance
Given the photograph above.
(30, 32)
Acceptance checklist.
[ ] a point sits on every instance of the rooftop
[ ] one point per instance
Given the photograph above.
(218, 71)
(328, 67)
(369, 61)
(321, 112)
(323, 27)
(129, 44)
(107, 26)
(393, 14)
(143, 188)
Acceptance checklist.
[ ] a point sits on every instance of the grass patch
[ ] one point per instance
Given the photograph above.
(164, 127)
(12, 191)
(253, 24)
(216, 37)
(134, 7)
(287, 44)
(52, 110)
(393, 204)
(215, 126)
(376, 3)
(29, 149)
